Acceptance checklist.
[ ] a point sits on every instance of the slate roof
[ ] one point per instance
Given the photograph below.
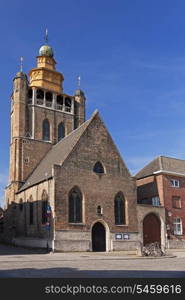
(165, 164)
(56, 155)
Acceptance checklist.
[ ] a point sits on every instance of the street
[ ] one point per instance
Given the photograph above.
(26, 263)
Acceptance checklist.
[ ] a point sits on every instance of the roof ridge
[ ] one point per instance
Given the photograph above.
(157, 157)
(72, 132)
(88, 123)
(160, 162)
(172, 157)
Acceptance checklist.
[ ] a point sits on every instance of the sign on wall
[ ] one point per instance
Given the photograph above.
(122, 236)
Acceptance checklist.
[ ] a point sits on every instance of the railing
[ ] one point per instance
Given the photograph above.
(40, 101)
(68, 109)
(48, 104)
(59, 107)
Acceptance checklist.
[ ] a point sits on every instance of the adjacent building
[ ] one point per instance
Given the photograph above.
(161, 183)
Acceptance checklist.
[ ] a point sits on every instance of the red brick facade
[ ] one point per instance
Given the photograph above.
(170, 188)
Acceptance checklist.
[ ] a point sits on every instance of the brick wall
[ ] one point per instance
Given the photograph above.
(95, 145)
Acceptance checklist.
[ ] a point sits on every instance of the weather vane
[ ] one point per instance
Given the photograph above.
(46, 36)
(79, 81)
(21, 63)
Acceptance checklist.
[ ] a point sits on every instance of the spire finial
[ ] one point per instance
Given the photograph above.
(79, 81)
(21, 64)
(46, 36)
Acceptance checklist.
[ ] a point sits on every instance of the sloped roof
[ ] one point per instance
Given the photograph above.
(165, 164)
(56, 155)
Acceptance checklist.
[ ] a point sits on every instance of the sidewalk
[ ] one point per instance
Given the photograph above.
(13, 253)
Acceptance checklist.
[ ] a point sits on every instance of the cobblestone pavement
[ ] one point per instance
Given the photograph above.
(20, 262)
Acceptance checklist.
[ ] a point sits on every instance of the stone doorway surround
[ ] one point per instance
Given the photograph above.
(142, 211)
(106, 237)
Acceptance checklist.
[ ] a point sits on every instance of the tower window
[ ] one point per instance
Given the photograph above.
(49, 98)
(40, 94)
(98, 168)
(61, 131)
(75, 206)
(67, 104)
(59, 102)
(119, 209)
(46, 130)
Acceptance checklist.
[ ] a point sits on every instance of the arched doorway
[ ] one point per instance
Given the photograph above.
(151, 229)
(98, 237)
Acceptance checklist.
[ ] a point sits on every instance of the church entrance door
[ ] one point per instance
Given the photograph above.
(98, 237)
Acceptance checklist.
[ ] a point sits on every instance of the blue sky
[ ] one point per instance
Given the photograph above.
(131, 58)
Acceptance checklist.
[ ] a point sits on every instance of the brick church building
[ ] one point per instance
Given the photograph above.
(69, 189)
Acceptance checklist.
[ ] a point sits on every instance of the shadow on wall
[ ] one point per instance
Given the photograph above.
(28, 220)
(6, 249)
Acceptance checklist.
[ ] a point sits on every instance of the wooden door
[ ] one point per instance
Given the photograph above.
(151, 229)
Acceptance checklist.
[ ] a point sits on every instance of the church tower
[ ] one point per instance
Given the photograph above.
(41, 115)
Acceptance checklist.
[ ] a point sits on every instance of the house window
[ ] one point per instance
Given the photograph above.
(174, 183)
(177, 225)
(176, 202)
(155, 201)
(46, 130)
(119, 209)
(75, 206)
(98, 168)
(61, 131)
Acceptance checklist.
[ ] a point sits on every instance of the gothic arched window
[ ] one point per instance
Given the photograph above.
(98, 168)
(46, 130)
(75, 206)
(44, 207)
(119, 209)
(61, 131)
